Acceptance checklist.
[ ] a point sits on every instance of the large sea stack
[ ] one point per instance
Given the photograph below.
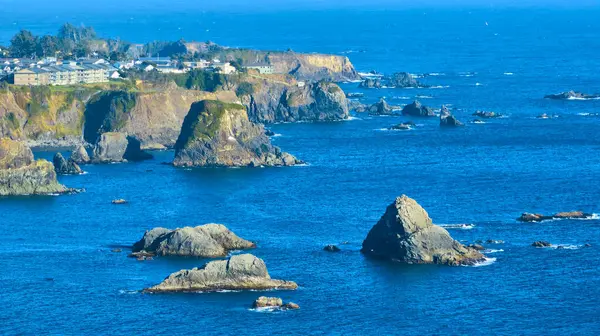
(405, 233)
(65, 167)
(217, 134)
(415, 109)
(113, 147)
(20, 174)
(205, 241)
(240, 272)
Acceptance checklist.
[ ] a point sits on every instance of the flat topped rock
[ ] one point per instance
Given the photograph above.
(406, 233)
(240, 272)
(533, 217)
(205, 241)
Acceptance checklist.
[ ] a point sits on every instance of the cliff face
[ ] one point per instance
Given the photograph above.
(42, 115)
(154, 118)
(20, 174)
(314, 67)
(217, 134)
(280, 101)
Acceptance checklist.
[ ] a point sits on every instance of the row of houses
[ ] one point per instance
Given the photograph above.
(65, 74)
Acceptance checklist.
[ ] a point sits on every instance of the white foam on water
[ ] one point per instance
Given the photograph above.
(493, 251)
(578, 98)
(353, 118)
(486, 262)
(423, 97)
(439, 87)
(128, 291)
(458, 226)
(478, 122)
(478, 84)
(437, 74)
(276, 135)
(508, 73)
(565, 246)
(400, 97)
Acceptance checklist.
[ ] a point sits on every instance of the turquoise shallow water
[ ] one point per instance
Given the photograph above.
(482, 174)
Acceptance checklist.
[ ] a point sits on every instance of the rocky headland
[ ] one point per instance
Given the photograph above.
(204, 241)
(21, 174)
(217, 134)
(240, 272)
(405, 233)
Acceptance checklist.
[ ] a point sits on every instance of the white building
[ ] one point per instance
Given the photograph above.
(262, 69)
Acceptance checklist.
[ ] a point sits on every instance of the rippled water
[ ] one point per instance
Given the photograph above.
(482, 174)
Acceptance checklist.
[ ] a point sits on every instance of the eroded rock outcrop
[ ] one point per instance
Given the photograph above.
(80, 155)
(371, 83)
(273, 303)
(240, 272)
(65, 167)
(402, 80)
(405, 233)
(381, 108)
(487, 114)
(118, 147)
(217, 134)
(572, 95)
(531, 217)
(205, 241)
(447, 119)
(21, 174)
(416, 109)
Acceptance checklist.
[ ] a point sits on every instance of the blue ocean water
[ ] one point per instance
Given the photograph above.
(482, 174)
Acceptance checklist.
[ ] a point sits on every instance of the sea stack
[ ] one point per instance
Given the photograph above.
(416, 109)
(65, 167)
(113, 147)
(205, 241)
(240, 272)
(405, 233)
(20, 174)
(218, 134)
(447, 119)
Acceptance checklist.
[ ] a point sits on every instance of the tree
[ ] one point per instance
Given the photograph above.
(82, 50)
(47, 45)
(23, 44)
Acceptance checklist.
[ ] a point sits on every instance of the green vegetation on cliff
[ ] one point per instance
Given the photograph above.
(107, 111)
(204, 121)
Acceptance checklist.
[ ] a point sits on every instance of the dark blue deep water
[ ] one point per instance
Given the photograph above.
(482, 174)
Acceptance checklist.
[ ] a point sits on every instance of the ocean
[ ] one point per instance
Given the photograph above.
(59, 276)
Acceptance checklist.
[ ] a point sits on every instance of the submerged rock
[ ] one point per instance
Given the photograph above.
(541, 243)
(486, 114)
(530, 217)
(402, 80)
(403, 126)
(493, 241)
(415, 109)
(64, 167)
(205, 241)
(80, 155)
(217, 134)
(572, 95)
(331, 248)
(405, 233)
(240, 272)
(447, 119)
(20, 174)
(273, 302)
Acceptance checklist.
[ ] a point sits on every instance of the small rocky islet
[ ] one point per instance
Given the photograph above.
(532, 217)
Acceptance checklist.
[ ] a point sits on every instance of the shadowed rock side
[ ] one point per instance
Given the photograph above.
(381, 108)
(405, 233)
(278, 101)
(240, 272)
(65, 167)
(205, 241)
(20, 174)
(217, 134)
(118, 147)
(415, 109)
(447, 119)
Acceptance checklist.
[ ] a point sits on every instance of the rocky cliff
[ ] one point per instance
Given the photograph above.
(220, 134)
(20, 174)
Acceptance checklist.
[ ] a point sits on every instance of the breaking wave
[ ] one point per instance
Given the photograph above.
(458, 226)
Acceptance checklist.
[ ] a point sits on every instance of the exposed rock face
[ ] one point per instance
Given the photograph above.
(240, 272)
(381, 108)
(447, 119)
(402, 80)
(80, 155)
(371, 83)
(415, 109)
(273, 302)
(205, 241)
(541, 243)
(118, 147)
(487, 115)
(529, 217)
(217, 134)
(572, 95)
(405, 126)
(20, 174)
(313, 67)
(405, 233)
(64, 167)
(276, 101)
